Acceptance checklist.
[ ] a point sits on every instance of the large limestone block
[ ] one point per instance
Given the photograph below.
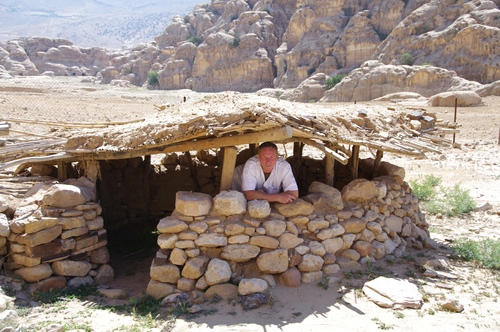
(264, 241)
(330, 198)
(463, 99)
(317, 224)
(193, 204)
(296, 208)
(178, 257)
(310, 277)
(274, 227)
(230, 202)
(391, 170)
(331, 232)
(41, 237)
(291, 277)
(359, 190)
(252, 286)
(36, 273)
(64, 195)
(105, 274)
(165, 273)
(259, 209)
(35, 225)
(225, 291)
(71, 222)
(159, 289)
(195, 267)
(75, 232)
(95, 223)
(289, 241)
(273, 262)
(211, 240)
(4, 225)
(49, 284)
(353, 225)
(395, 223)
(311, 263)
(4, 205)
(393, 293)
(167, 241)
(218, 272)
(332, 246)
(26, 260)
(240, 252)
(100, 256)
(171, 225)
(71, 268)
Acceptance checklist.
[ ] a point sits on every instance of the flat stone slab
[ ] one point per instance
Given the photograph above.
(393, 293)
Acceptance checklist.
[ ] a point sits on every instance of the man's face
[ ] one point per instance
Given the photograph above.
(268, 157)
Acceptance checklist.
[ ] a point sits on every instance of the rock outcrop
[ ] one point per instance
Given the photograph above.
(251, 45)
(374, 79)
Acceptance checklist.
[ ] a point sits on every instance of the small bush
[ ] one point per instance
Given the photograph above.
(145, 305)
(153, 78)
(235, 42)
(427, 64)
(455, 201)
(425, 189)
(407, 59)
(331, 81)
(486, 252)
(195, 40)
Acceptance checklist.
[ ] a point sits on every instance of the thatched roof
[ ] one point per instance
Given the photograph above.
(230, 119)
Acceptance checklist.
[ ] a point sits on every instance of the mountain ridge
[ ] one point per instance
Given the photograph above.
(111, 24)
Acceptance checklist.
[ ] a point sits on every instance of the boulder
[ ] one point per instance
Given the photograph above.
(218, 272)
(359, 190)
(63, 195)
(461, 98)
(393, 293)
(192, 203)
(259, 209)
(230, 202)
(252, 286)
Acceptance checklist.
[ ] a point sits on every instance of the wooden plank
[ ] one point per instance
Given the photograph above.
(192, 169)
(228, 165)
(41, 159)
(74, 124)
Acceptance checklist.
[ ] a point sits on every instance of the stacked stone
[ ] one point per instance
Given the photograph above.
(4, 227)
(59, 240)
(206, 241)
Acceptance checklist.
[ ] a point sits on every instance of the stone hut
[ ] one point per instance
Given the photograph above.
(351, 208)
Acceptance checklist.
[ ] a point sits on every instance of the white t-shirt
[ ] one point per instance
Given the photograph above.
(251, 177)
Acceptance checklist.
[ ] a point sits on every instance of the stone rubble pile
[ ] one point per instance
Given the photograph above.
(208, 242)
(57, 239)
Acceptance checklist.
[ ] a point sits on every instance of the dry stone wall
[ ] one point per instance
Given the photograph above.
(56, 238)
(208, 242)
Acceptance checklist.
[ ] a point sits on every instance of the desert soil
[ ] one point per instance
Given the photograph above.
(474, 164)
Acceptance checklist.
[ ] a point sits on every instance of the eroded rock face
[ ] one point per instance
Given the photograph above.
(251, 45)
(374, 79)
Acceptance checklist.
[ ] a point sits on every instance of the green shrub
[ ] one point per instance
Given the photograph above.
(407, 59)
(331, 81)
(455, 201)
(425, 189)
(235, 42)
(427, 64)
(486, 252)
(195, 40)
(153, 78)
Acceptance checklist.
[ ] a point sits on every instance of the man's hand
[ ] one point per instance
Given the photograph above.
(285, 198)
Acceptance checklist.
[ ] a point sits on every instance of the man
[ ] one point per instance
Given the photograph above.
(266, 176)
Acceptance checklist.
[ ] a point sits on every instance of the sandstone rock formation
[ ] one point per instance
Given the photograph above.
(251, 45)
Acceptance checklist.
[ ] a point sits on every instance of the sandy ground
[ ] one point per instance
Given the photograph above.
(342, 306)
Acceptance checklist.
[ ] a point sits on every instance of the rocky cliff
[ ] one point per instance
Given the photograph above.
(255, 44)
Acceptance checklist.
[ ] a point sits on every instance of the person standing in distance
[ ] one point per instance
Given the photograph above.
(266, 176)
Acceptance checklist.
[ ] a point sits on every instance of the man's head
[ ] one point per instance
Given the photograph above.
(268, 155)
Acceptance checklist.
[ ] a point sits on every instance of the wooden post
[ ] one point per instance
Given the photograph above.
(194, 175)
(376, 164)
(329, 169)
(355, 161)
(253, 149)
(228, 165)
(62, 171)
(298, 147)
(455, 117)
